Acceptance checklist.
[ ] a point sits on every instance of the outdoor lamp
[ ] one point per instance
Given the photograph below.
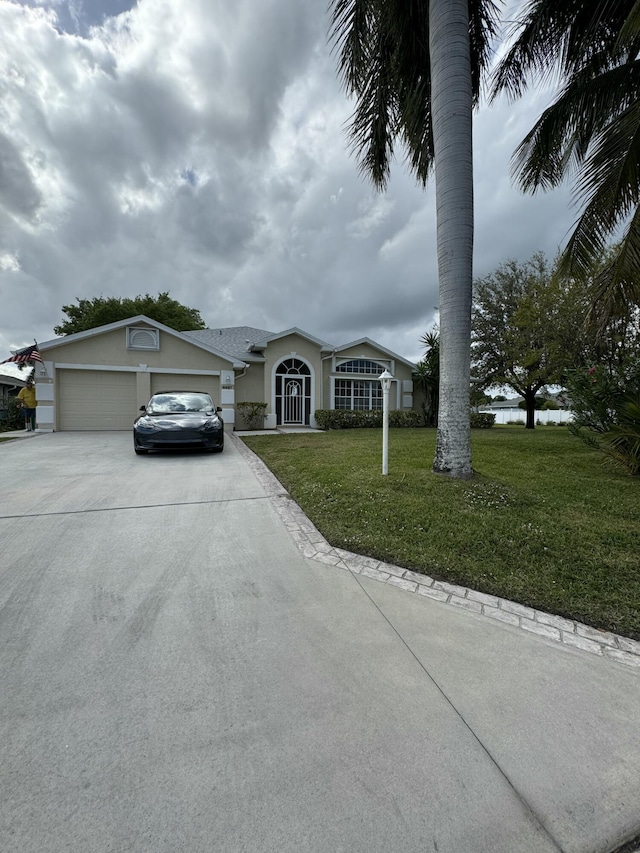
(385, 380)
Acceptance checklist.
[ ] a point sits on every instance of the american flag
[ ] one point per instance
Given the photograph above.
(22, 356)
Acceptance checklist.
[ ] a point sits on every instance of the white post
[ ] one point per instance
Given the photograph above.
(385, 380)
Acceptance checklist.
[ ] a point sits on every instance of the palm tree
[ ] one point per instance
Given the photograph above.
(415, 67)
(427, 377)
(591, 130)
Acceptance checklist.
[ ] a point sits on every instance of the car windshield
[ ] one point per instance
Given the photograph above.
(171, 403)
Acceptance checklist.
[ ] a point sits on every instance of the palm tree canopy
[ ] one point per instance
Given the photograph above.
(383, 59)
(591, 131)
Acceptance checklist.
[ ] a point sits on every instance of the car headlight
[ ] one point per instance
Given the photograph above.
(212, 424)
(144, 425)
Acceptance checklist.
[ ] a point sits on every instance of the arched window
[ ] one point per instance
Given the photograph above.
(293, 366)
(361, 365)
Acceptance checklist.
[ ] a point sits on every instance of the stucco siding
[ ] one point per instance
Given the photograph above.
(250, 388)
(110, 348)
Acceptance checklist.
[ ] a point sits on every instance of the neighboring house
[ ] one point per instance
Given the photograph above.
(499, 405)
(508, 411)
(98, 379)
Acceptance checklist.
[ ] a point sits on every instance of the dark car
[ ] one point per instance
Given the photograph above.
(179, 420)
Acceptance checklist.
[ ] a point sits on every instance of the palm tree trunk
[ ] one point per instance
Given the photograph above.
(451, 99)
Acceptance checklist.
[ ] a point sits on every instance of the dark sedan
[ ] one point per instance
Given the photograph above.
(179, 420)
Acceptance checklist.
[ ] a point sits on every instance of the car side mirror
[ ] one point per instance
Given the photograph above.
(218, 409)
(143, 408)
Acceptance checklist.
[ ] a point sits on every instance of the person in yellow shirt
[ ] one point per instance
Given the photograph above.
(27, 397)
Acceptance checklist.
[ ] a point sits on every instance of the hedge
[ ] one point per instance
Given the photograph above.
(482, 420)
(348, 419)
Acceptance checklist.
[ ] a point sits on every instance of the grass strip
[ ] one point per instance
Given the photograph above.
(544, 522)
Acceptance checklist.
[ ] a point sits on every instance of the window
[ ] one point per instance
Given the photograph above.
(360, 365)
(363, 395)
(146, 339)
(293, 365)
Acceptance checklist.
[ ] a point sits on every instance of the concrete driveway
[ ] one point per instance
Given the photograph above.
(176, 676)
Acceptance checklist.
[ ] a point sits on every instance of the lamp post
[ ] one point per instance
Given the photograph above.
(385, 380)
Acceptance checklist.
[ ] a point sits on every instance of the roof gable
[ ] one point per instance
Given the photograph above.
(377, 346)
(132, 321)
(294, 330)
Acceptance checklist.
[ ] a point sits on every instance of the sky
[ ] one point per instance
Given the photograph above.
(199, 147)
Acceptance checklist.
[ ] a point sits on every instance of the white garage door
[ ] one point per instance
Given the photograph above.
(186, 382)
(96, 399)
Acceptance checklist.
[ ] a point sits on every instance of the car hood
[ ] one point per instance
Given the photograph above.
(192, 420)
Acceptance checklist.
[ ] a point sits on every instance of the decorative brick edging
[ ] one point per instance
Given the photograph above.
(314, 546)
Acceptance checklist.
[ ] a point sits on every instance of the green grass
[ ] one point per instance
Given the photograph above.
(544, 522)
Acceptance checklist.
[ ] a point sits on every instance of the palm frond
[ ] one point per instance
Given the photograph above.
(559, 141)
(616, 287)
(611, 186)
(383, 60)
(560, 37)
(631, 27)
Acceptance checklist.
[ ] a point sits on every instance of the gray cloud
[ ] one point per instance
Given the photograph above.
(19, 195)
(199, 147)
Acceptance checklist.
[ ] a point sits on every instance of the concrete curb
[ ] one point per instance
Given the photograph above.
(556, 628)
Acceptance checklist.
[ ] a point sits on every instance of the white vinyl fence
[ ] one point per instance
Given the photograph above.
(505, 416)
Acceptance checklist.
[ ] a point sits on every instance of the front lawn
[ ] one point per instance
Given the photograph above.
(545, 522)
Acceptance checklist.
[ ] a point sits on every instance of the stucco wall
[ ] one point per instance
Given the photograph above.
(110, 348)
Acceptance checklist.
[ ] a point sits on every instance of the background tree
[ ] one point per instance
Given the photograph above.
(415, 67)
(477, 397)
(527, 329)
(90, 313)
(427, 377)
(592, 130)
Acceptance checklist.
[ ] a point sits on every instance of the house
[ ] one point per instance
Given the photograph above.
(98, 379)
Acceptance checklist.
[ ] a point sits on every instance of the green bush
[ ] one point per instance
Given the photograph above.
(408, 418)
(606, 406)
(14, 418)
(622, 442)
(251, 414)
(349, 419)
(482, 420)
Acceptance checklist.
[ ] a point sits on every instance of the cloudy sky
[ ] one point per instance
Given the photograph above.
(198, 147)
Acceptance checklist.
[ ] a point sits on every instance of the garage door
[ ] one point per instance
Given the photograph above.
(96, 399)
(186, 382)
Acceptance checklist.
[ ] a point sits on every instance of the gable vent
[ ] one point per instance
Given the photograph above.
(148, 339)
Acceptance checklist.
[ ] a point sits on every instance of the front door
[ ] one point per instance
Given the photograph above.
(293, 393)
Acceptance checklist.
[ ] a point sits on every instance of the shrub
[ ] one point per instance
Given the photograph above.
(14, 418)
(252, 414)
(350, 419)
(606, 406)
(482, 420)
(404, 419)
(516, 423)
(622, 443)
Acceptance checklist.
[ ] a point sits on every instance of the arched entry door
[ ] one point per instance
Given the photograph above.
(293, 392)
